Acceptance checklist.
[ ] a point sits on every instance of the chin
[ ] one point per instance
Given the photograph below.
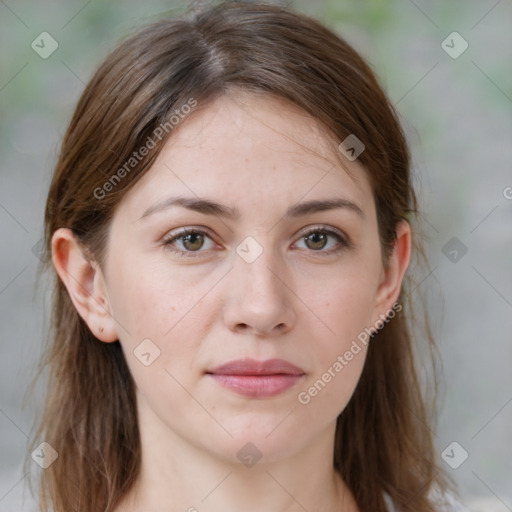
(256, 442)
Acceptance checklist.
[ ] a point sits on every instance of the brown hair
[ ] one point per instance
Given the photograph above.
(383, 443)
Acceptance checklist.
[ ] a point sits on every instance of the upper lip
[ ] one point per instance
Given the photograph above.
(254, 367)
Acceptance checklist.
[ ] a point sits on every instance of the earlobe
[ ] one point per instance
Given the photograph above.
(85, 284)
(393, 274)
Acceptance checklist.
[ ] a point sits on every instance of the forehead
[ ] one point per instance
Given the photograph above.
(243, 149)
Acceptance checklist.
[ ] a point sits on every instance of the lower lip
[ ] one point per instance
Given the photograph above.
(257, 386)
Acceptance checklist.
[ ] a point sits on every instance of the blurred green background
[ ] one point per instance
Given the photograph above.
(457, 113)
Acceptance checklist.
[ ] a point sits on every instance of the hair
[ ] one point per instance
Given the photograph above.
(382, 443)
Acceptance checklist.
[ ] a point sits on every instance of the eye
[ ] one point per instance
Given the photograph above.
(318, 239)
(191, 241)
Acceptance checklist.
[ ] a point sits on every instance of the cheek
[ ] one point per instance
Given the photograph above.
(339, 357)
(141, 301)
(150, 297)
(345, 307)
(168, 306)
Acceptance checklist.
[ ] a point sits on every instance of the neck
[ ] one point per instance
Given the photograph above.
(178, 476)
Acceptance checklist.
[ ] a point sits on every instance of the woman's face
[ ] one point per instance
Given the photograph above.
(262, 274)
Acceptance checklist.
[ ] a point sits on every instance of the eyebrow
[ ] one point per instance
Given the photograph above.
(209, 207)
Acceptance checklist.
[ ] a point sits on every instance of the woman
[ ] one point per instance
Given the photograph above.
(230, 225)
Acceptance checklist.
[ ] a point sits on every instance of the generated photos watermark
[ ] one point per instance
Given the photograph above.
(305, 397)
(159, 132)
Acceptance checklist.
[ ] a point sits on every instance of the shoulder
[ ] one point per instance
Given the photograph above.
(449, 503)
(446, 502)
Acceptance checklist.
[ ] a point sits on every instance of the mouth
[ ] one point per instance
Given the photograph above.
(257, 379)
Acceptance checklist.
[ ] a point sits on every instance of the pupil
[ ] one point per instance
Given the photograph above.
(318, 239)
(191, 241)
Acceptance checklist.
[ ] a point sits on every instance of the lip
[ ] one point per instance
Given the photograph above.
(257, 379)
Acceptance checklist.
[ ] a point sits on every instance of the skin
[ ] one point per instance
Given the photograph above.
(295, 302)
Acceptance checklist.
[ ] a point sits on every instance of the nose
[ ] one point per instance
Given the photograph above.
(259, 300)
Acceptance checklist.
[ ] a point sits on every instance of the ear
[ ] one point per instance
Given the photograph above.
(393, 275)
(85, 284)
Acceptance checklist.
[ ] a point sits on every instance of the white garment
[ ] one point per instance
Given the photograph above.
(448, 504)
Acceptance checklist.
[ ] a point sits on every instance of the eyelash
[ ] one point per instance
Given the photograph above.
(344, 243)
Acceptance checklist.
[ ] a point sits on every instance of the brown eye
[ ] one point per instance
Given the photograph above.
(323, 241)
(193, 241)
(316, 240)
(189, 242)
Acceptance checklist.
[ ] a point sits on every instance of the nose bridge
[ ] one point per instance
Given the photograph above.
(257, 270)
(265, 280)
(258, 296)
